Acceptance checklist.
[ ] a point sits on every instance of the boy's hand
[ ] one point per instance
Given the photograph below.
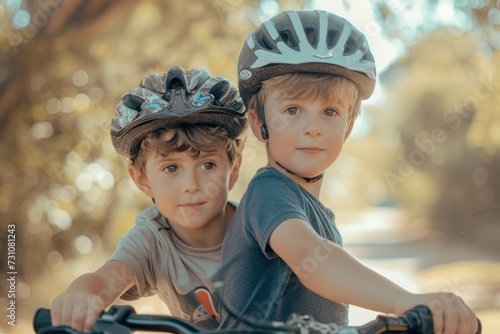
(80, 306)
(77, 310)
(450, 314)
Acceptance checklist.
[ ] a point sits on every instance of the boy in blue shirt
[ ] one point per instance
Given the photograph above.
(302, 76)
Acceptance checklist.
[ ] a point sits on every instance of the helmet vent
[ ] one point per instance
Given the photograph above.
(332, 38)
(133, 102)
(351, 46)
(288, 39)
(265, 43)
(312, 36)
(219, 90)
(367, 57)
(176, 84)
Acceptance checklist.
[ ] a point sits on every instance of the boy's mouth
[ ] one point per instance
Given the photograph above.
(192, 207)
(310, 150)
(191, 204)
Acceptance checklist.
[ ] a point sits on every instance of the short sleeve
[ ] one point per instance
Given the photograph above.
(138, 251)
(271, 201)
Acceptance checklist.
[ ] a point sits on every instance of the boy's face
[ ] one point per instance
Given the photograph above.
(190, 191)
(305, 135)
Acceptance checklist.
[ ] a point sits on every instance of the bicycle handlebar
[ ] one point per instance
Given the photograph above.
(124, 320)
(118, 320)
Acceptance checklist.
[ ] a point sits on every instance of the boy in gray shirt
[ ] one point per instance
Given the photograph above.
(180, 135)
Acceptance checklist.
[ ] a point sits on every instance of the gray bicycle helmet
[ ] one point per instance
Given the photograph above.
(306, 41)
(173, 98)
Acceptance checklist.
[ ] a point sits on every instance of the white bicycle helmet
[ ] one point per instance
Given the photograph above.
(172, 98)
(306, 41)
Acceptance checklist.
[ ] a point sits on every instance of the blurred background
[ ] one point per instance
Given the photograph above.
(416, 190)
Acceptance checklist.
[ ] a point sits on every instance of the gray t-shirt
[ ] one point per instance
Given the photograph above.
(258, 283)
(162, 264)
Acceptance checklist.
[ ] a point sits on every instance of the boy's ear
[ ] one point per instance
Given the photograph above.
(140, 180)
(235, 171)
(256, 124)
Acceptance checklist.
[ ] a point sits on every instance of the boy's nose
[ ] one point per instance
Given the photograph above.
(312, 130)
(190, 184)
(312, 127)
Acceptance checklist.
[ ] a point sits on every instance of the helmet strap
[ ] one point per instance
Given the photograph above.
(265, 136)
(263, 128)
(308, 179)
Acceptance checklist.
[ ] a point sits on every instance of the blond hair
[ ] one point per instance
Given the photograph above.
(324, 87)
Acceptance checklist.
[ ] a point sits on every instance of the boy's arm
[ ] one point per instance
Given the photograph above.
(328, 270)
(88, 295)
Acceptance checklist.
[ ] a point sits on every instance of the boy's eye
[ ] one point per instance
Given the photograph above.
(292, 111)
(207, 165)
(170, 169)
(330, 112)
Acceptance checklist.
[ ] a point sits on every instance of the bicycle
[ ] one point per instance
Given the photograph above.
(124, 320)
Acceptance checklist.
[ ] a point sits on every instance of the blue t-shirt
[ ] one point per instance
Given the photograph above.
(257, 282)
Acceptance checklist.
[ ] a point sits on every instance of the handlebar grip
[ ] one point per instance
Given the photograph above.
(419, 320)
(41, 319)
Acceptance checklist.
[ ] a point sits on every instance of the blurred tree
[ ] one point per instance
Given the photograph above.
(444, 99)
(52, 124)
